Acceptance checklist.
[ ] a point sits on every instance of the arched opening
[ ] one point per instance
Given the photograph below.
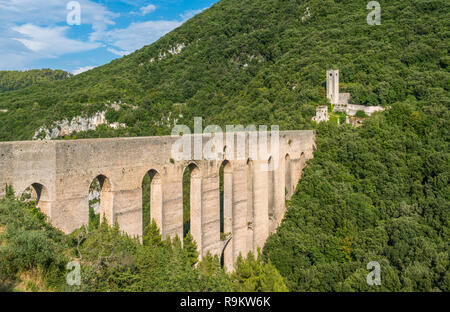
(288, 177)
(192, 203)
(38, 195)
(250, 207)
(100, 201)
(226, 210)
(271, 194)
(151, 200)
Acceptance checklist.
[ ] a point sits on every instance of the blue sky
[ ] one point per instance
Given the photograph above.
(36, 34)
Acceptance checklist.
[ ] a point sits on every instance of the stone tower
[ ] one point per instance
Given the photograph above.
(333, 86)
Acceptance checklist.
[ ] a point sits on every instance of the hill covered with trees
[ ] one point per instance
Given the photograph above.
(375, 193)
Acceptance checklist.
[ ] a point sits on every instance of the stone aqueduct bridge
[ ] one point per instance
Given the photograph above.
(61, 172)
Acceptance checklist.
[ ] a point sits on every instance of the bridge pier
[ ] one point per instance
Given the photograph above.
(240, 226)
(228, 213)
(156, 199)
(250, 207)
(196, 207)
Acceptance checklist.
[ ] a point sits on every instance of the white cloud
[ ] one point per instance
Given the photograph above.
(82, 70)
(50, 42)
(148, 9)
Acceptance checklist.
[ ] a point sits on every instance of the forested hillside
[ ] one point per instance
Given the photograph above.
(376, 193)
(254, 61)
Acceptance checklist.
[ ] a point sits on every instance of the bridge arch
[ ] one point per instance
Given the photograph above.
(225, 155)
(38, 193)
(288, 185)
(152, 199)
(101, 200)
(122, 165)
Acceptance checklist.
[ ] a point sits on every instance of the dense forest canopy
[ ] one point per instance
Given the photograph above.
(253, 62)
(379, 192)
(375, 193)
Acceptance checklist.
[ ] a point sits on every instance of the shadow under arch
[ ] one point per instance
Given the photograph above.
(101, 200)
(152, 199)
(39, 194)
